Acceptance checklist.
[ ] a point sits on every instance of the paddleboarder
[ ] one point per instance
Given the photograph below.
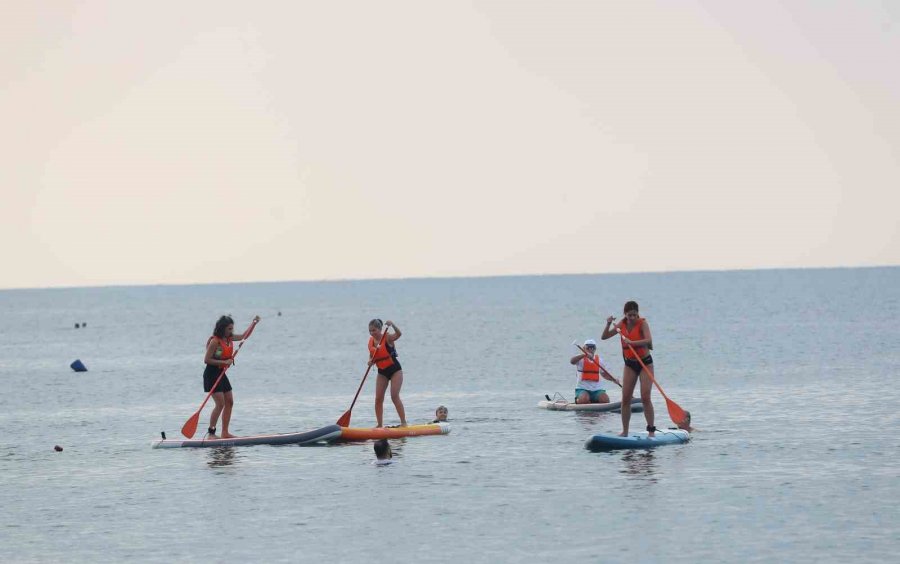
(219, 356)
(589, 368)
(389, 369)
(635, 331)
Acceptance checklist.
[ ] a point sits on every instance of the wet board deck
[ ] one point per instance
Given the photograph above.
(365, 434)
(563, 405)
(316, 436)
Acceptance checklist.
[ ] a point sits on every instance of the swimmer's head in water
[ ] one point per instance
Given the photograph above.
(441, 413)
(382, 449)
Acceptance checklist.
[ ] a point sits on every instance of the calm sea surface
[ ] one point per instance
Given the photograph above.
(791, 375)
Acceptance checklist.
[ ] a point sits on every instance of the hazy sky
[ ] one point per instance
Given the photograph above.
(181, 142)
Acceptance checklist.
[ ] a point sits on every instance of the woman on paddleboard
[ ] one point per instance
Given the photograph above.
(389, 369)
(219, 356)
(634, 331)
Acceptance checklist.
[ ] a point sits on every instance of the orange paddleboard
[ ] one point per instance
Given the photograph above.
(365, 434)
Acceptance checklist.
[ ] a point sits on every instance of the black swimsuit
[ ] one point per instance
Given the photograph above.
(210, 375)
(633, 364)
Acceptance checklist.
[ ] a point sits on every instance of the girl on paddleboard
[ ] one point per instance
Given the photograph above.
(219, 353)
(634, 331)
(389, 369)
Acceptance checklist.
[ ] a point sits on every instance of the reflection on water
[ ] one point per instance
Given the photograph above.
(222, 456)
(397, 446)
(640, 464)
(589, 419)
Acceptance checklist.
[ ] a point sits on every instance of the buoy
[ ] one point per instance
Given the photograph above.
(83, 325)
(77, 326)
(78, 366)
(279, 314)
(57, 448)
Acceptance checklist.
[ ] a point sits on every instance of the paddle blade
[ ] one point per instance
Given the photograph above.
(675, 412)
(344, 421)
(190, 427)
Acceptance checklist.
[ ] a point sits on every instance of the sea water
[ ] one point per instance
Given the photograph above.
(791, 375)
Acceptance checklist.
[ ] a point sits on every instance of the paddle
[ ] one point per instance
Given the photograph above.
(675, 412)
(601, 368)
(190, 426)
(344, 420)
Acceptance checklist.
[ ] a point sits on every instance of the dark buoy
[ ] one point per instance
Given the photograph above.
(57, 448)
(78, 366)
(77, 326)
(279, 314)
(83, 325)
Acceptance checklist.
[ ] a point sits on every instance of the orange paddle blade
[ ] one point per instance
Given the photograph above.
(344, 421)
(190, 426)
(675, 412)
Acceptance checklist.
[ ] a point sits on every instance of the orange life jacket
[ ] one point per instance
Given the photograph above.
(225, 350)
(634, 334)
(590, 369)
(383, 357)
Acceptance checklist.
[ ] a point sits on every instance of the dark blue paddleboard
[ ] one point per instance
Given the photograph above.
(325, 434)
(637, 440)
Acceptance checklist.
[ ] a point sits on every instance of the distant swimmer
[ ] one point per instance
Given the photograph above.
(440, 414)
(636, 338)
(389, 369)
(589, 367)
(219, 356)
(383, 454)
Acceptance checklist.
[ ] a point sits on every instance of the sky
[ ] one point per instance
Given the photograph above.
(206, 142)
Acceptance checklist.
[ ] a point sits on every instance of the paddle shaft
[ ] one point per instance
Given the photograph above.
(671, 405)
(363, 381)
(601, 367)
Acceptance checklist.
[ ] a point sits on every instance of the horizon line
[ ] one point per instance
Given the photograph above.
(447, 277)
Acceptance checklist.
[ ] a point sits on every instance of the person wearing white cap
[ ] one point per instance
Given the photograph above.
(589, 367)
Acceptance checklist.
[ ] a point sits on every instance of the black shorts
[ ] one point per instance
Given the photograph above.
(636, 366)
(390, 370)
(210, 375)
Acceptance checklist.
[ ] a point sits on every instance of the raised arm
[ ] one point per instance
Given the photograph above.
(392, 336)
(576, 358)
(610, 329)
(247, 331)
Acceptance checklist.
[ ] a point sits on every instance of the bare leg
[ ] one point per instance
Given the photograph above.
(396, 384)
(629, 379)
(219, 398)
(603, 398)
(381, 383)
(583, 397)
(226, 415)
(646, 388)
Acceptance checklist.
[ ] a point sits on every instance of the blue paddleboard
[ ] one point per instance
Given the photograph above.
(637, 440)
